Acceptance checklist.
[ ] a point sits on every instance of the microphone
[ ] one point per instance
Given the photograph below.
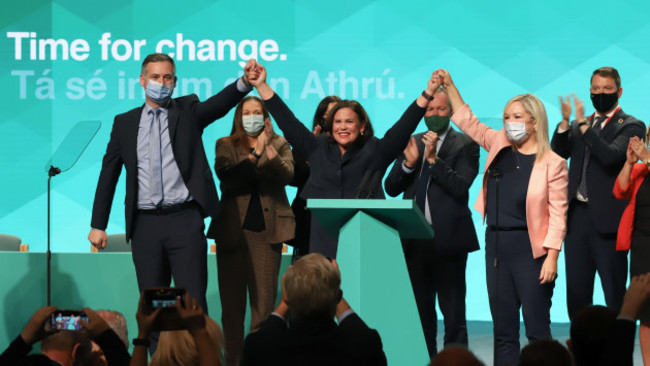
(495, 173)
(362, 189)
(376, 177)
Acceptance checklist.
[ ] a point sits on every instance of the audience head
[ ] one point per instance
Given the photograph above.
(545, 352)
(178, 347)
(348, 123)
(320, 117)
(455, 356)
(590, 331)
(312, 287)
(68, 347)
(117, 322)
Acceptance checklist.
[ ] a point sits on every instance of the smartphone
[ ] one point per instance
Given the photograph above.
(165, 298)
(67, 320)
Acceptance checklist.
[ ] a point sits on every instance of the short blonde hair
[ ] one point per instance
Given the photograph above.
(535, 107)
(178, 347)
(312, 286)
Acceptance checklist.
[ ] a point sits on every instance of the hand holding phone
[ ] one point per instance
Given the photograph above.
(35, 330)
(162, 300)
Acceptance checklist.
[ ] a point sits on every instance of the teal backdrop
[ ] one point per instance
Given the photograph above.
(66, 61)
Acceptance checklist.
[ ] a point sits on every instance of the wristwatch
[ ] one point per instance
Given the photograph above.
(427, 96)
(647, 163)
(583, 123)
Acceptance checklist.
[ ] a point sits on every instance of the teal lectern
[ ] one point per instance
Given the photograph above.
(374, 276)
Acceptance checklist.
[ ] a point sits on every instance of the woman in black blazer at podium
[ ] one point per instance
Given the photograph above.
(339, 162)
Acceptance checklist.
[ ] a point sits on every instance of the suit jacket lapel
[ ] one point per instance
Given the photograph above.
(612, 125)
(447, 143)
(132, 129)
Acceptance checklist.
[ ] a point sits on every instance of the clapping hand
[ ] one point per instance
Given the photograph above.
(639, 149)
(430, 140)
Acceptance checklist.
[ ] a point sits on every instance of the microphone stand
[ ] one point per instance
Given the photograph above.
(496, 174)
(53, 171)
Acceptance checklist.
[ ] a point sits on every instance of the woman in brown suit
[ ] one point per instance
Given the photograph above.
(253, 165)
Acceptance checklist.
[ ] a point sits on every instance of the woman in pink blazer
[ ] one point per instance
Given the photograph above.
(524, 199)
(634, 228)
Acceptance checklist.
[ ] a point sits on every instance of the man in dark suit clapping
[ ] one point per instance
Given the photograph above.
(436, 170)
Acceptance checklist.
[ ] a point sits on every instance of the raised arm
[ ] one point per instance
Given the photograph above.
(220, 104)
(299, 136)
(562, 134)
(463, 116)
(397, 137)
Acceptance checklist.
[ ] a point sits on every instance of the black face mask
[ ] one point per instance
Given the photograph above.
(604, 102)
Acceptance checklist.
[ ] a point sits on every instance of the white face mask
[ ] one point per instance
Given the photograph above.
(253, 124)
(516, 132)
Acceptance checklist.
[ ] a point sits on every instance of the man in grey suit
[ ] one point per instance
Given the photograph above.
(436, 170)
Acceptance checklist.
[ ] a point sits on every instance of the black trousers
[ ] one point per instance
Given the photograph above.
(587, 251)
(172, 246)
(442, 276)
(514, 284)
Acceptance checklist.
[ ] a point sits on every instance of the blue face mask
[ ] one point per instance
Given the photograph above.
(253, 124)
(157, 92)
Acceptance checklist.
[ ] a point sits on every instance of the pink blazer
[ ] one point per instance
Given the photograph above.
(546, 199)
(626, 226)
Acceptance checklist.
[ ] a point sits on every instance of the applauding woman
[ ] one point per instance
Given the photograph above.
(524, 197)
(253, 165)
(634, 228)
(339, 161)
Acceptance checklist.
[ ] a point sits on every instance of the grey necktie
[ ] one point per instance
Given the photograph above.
(155, 159)
(582, 188)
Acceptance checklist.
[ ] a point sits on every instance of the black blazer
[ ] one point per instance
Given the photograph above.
(187, 117)
(314, 341)
(607, 148)
(332, 175)
(448, 194)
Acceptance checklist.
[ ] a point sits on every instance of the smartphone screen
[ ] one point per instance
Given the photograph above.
(164, 298)
(67, 320)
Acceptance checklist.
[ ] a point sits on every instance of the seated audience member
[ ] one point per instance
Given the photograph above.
(67, 347)
(200, 343)
(117, 322)
(311, 297)
(64, 347)
(545, 352)
(600, 337)
(110, 337)
(456, 356)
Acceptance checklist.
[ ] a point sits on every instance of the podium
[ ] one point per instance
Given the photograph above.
(374, 277)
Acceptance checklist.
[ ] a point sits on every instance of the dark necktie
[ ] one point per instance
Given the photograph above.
(582, 188)
(423, 184)
(155, 159)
